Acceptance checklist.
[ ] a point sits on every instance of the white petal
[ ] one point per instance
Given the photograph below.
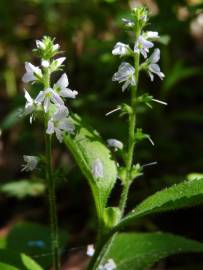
(40, 44)
(63, 81)
(28, 77)
(152, 34)
(151, 76)
(55, 98)
(90, 250)
(125, 85)
(56, 47)
(66, 125)
(120, 49)
(145, 43)
(50, 128)
(115, 143)
(154, 58)
(28, 97)
(59, 134)
(40, 97)
(68, 93)
(61, 113)
(46, 104)
(59, 61)
(45, 63)
(154, 68)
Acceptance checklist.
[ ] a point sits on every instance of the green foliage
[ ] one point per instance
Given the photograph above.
(185, 194)
(139, 251)
(23, 188)
(87, 146)
(33, 240)
(6, 266)
(18, 261)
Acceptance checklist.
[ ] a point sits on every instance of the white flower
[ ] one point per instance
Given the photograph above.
(45, 63)
(128, 22)
(59, 123)
(109, 265)
(47, 96)
(142, 45)
(121, 49)
(115, 143)
(29, 105)
(90, 250)
(59, 61)
(31, 73)
(40, 44)
(151, 35)
(125, 74)
(153, 66)
(31, 163)
(97, 169)
(62, 84)
(56, 47)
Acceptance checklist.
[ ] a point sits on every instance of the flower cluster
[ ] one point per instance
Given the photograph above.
(51, 98)
(142, 44)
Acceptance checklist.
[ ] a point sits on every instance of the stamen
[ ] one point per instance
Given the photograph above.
(149, 138)
(115, 110)
(159, 101)
(150, 164)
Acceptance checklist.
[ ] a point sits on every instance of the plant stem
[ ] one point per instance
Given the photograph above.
(52, 205)
(131, 138)
(51, 188)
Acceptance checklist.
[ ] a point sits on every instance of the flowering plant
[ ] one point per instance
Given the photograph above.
(112, 249)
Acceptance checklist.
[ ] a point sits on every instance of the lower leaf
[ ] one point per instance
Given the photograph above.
(139, 251)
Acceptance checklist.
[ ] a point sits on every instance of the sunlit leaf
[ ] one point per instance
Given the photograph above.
(177, 196)
(86, 147)
(139, 251)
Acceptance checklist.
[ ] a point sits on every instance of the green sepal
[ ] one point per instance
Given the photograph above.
(48, 51)
(145, 99)
(140, 136)
(136, 171)
(125, 109)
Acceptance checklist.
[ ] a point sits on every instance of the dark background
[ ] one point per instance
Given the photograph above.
(87, 31)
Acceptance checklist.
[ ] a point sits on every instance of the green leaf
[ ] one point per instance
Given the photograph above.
(23, 188)
(185, 194)
(86, 147)
(18, 260)
(35, 241)
(139, 251)
(5, 266)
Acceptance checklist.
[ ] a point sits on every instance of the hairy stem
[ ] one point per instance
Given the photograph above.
(131, 139)
(51, 189)
(52, 206)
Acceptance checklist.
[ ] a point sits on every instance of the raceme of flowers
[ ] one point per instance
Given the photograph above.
(58, 121)
(142, 45)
